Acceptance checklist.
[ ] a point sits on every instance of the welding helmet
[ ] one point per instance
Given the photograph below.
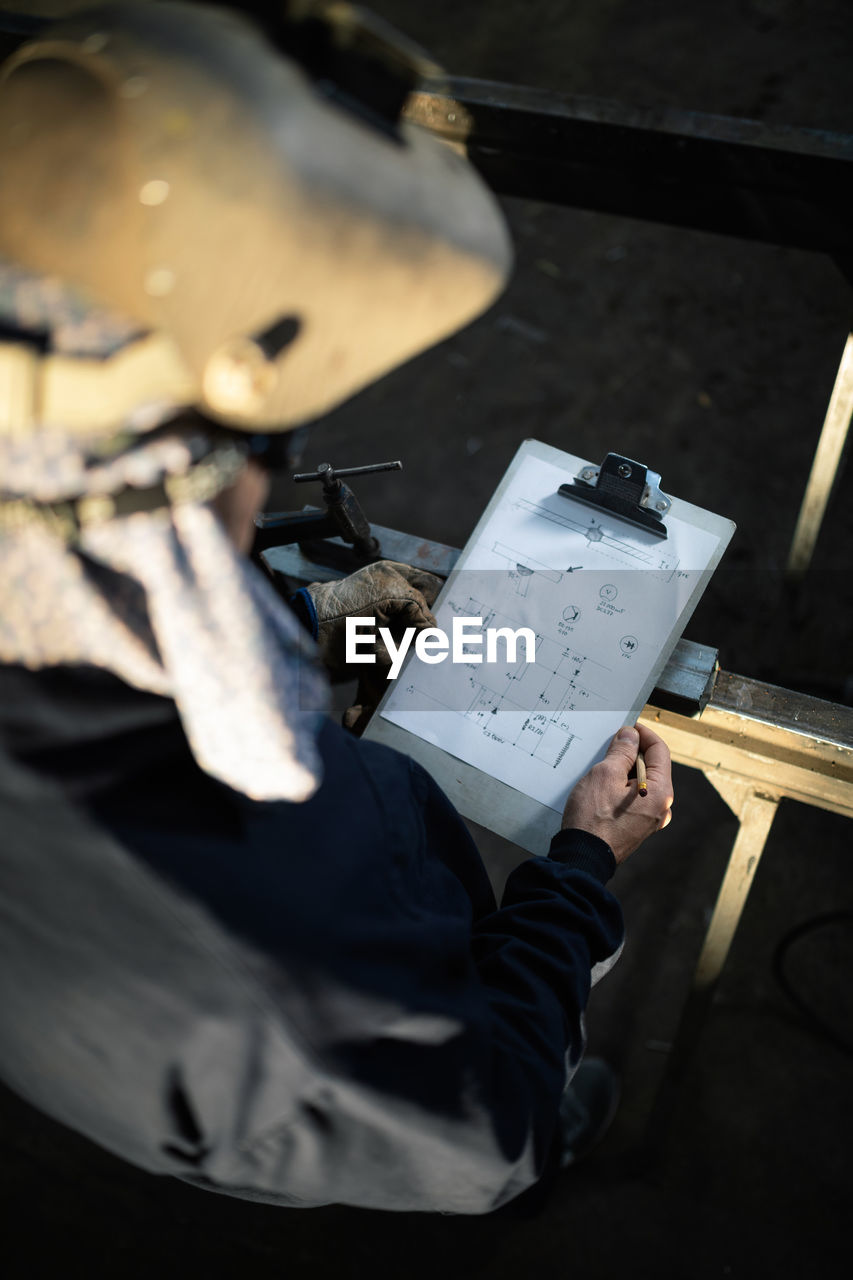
(249, 199)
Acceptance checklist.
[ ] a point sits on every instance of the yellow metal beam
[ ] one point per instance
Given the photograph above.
(824, 467)
(755, 813)
(757, 744)
(781, 743)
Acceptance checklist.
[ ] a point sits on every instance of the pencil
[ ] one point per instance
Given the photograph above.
(642, 788)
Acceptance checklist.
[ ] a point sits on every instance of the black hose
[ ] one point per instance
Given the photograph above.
(815, 1023)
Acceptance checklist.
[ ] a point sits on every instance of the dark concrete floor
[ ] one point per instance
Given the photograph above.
(713, 360)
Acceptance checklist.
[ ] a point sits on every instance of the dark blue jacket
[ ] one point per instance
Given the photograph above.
(303, 1003)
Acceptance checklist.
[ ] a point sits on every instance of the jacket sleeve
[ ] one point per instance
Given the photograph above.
(450, 1103)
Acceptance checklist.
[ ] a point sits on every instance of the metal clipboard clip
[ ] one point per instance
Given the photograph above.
(623, 488)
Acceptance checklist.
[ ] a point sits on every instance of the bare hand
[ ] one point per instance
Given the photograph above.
(606, 801)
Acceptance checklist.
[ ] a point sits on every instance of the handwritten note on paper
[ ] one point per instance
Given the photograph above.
(604, 600)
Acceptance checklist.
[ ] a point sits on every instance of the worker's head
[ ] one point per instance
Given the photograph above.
(209, 235)
(257, 212)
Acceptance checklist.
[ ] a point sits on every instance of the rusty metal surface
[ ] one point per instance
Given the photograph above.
(422, 553)
(718, 173)
(784, 709)
(806, 763)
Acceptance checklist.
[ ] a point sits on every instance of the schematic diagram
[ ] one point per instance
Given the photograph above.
(521, 567)
(602, 537)
(532, 707)
(603, 600)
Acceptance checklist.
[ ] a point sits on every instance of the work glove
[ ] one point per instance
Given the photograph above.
(397, 596)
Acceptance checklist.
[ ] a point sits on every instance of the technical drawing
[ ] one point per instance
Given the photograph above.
(664, 562)
(605, 602)
(522, 566)
(544, 696)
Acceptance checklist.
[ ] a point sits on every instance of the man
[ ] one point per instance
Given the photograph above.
(239, 945)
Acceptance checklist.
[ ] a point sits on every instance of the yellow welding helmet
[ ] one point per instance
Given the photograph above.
(248, 198)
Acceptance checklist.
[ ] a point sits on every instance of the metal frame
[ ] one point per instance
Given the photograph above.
(715, 173)
(685, 168)
(757, 744)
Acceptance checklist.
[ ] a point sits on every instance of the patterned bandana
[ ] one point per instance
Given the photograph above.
(159, 597)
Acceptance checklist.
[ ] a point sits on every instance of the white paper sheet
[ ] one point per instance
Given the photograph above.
(604, 600)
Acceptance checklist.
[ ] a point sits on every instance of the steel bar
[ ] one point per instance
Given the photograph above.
(827, 457)
(291, 562)
(781, 742)
(338, 472)
(715, 173)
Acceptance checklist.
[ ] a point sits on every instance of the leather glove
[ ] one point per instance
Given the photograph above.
(397, 596)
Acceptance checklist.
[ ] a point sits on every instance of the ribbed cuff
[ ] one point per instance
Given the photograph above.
(303, 606)
(583, 851)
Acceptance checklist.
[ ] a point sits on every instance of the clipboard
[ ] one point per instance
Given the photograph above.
(604, 570)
